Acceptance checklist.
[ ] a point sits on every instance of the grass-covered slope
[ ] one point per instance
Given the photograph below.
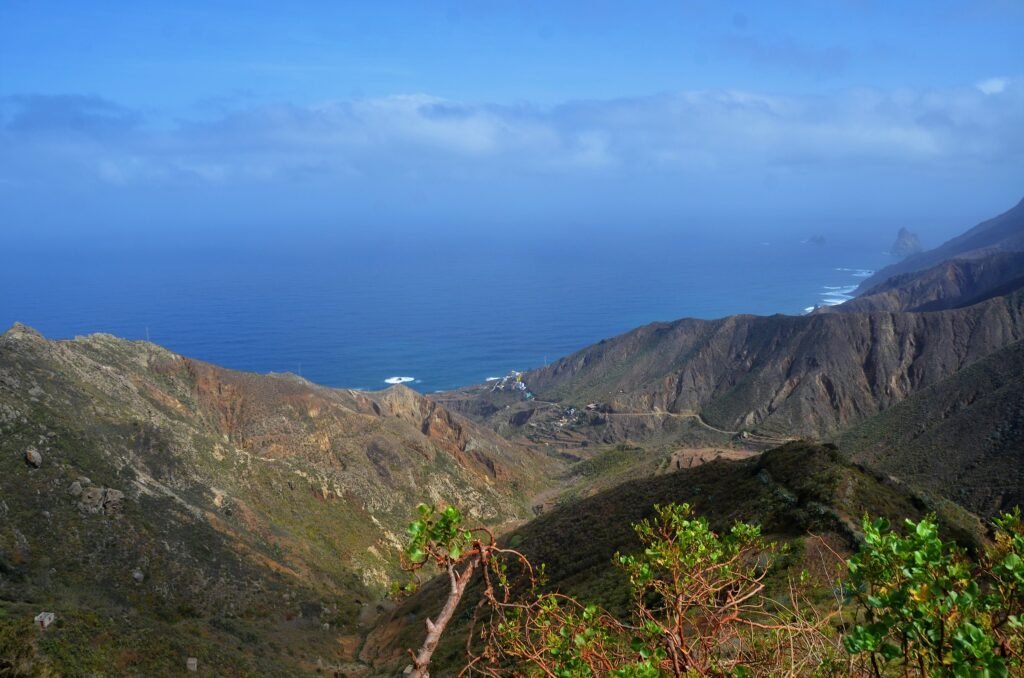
(166, 508)
(962, 437)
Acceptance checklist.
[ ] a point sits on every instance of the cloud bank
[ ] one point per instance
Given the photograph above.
(355, 147)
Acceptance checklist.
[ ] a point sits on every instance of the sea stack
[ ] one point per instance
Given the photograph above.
(906, 244)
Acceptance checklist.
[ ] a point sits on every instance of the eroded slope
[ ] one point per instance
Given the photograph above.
(191, 498)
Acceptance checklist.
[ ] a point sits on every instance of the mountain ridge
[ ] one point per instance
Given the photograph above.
(953, 283)
(962, 437)
(798, 375)
(165, 507)
(186, 496)
(1004, 232)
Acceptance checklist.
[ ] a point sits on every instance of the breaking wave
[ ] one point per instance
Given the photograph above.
(858, 272)
(833, 295)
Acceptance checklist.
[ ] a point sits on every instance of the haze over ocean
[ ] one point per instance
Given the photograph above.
(451, 190)
(445, 310)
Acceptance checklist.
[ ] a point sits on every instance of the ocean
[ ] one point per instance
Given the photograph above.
(442, 312)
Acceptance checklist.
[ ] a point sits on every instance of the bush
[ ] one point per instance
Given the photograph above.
(930, 609)
(920, 605)
(18, 654)
(698, 605)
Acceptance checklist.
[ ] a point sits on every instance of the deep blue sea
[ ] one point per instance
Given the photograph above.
(444, 311)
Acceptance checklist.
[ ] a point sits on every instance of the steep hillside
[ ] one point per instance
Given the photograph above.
(962, 437)
(165, 508)
(951, 284)
(789, 491)
(781, 375)
(1004, 233)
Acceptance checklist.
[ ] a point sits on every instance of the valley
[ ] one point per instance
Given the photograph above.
(164, 508)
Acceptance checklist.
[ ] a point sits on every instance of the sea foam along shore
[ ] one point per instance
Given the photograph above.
(837, 294)
(858, 272)
(399, 380)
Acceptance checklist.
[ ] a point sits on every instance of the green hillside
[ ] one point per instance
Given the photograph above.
(164, 508)
(962, 437)
(790, 492)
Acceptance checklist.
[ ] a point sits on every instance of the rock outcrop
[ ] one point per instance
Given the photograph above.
(906, 244)
(962, 437)
(100, 500)
(33, 457)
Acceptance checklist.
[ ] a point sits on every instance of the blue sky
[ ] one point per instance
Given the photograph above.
(165, 118)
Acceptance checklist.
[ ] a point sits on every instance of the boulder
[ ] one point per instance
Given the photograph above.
(33, 458)
(91, 500)
(98, 499)
(44, 619)
(75, 489)
(138, 575)
(113, 500)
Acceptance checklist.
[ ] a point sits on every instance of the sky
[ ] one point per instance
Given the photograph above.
(198, 120)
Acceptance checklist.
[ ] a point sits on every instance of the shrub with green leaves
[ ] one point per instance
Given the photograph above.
(1004, 564)
(436, 534)
(928, 608)
(698, 605)
(558, 636)
(694, 590)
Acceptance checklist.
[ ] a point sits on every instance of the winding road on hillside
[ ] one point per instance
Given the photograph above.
(755, 437)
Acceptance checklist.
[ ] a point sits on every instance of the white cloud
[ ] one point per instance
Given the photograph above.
(697, 131)
(993, 85)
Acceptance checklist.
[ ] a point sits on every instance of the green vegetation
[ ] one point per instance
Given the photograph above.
(253, 510)
(254, 520)
(436, 532)
(18, 652)
(961, 437)
(694, 593)
(791, 493)
(702, 605)
(927, 607)
(698, 606)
